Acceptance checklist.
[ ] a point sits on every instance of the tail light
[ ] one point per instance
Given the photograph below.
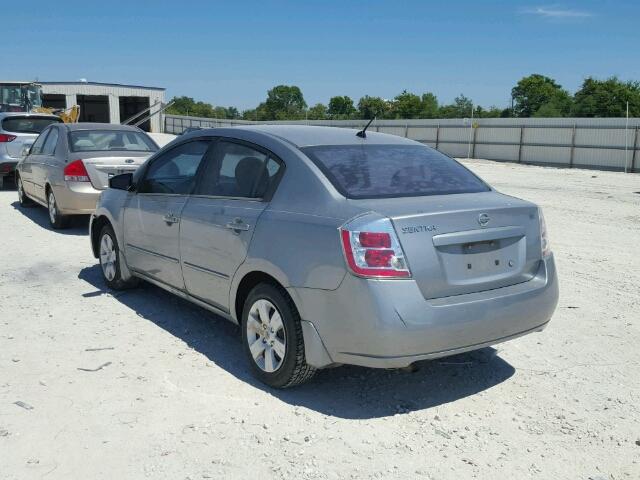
(76, 172)
(372, 249)
(5, 138)
(544, 235)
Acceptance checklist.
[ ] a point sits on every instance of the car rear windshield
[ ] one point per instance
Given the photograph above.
(381, 171)
(110, 140)
(27, 124)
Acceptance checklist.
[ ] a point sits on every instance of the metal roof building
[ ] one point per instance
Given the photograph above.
(107, 102)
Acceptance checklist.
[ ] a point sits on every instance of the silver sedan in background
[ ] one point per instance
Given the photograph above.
(329, 246)
(68, 166)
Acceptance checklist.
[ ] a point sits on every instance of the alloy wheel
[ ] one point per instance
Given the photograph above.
(108, 257)
(20, 191)
(53, 212)
(266, 336)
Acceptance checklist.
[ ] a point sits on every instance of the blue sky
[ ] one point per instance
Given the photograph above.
(231, 53)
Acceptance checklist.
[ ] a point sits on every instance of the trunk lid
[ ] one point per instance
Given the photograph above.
(101, 166)
(16, 146)
(465, 243)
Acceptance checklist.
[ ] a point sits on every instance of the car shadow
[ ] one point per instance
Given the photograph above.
(78, 225)
(348, 392)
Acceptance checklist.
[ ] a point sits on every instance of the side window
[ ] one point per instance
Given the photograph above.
(36, 148)
(239, 171)
(175, 171)
(49, 147)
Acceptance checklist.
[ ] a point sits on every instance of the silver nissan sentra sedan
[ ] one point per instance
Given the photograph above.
(69, 164)
(328, 247)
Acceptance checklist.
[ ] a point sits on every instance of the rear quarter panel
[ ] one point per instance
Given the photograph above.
(111, 206)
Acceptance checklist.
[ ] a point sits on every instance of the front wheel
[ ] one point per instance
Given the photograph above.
(22, 197)
(272, 338)
(109, 255)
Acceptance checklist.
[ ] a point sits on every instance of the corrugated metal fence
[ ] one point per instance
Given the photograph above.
(602, 143)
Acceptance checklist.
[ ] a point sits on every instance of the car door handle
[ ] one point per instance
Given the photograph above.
(170, 218)
(238, 225)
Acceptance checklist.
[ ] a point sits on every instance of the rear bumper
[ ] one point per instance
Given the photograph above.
(389, 324)
(76, 198)
(7, 167)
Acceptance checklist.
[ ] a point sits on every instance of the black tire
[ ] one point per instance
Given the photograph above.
(24, 201)
(293, 369)
(56, 219)
(115, 282)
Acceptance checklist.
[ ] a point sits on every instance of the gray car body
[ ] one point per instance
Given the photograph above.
(41, 172)
(293, 240)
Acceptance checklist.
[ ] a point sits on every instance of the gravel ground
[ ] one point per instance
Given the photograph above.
(102, 385)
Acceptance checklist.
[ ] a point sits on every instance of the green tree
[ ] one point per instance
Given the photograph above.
(317, 112)
(232, 112)
(536, 90)
(188, 106)
(460, 108)
(607, 98)
(429, 106)
(369, 107)
(284, 102)
(341, 107)
(407, 105)
(491, 112)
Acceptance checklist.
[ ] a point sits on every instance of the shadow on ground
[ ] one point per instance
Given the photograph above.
(346, 392)
(79, 224)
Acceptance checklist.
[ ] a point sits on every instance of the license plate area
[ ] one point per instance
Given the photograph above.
(112, 172)
(484, 260)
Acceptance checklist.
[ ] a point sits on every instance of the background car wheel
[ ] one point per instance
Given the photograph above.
(56, 219)
(22, 197)
(272, 337)
(108, 254)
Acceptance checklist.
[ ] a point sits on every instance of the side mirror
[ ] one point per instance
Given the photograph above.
(25, 151)
(124, 181)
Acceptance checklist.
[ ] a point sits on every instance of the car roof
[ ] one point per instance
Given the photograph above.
(99, 126)
(311, 135)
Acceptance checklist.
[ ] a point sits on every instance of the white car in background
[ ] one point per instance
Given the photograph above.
(18, 131)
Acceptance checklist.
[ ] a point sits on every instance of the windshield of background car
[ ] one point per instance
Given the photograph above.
(17, 124)
(110, 140)
(381, 171)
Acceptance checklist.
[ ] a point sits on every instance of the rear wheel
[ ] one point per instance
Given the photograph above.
(56, 219)
(109, 255)
(22, 197)
(272, 337)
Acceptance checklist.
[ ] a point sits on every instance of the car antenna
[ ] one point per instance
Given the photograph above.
(363, 133)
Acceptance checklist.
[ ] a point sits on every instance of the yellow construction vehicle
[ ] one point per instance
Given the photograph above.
(68, 115)
(27, 97)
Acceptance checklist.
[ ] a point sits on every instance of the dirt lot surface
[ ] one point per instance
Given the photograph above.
(104, 385)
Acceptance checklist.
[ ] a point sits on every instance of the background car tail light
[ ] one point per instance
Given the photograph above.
(76, 172)
(544, 235)
(4, 138)
(372, 249)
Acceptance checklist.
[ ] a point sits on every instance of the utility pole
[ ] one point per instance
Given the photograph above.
(626, 141)
(470, 134)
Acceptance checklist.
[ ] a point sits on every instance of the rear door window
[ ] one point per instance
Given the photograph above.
(239, 171)
(49, 147)
(36, 149)
(380, 171)
(27, 124)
